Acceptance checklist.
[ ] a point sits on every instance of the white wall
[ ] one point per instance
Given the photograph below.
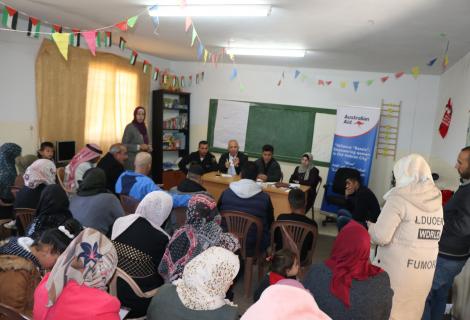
(418, 102)
(18, 121)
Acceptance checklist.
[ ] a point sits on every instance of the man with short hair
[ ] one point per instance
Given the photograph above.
(454, 245)
(137, 184)
(232, 161)
(247, 196)
(269, 169)
(193, 181)
(201, 157)
(113, 164)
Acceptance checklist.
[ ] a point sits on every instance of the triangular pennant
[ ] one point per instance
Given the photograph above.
(328, 82)
(200, 51)
(384, 79)
(122, 25)
(321, 82)
(297, 73)
(155, 22)
(398, 75)
(445, 61)
(234, 74)
(56, 28)
(279, 82)
(132, 21)
(188, 23)
(205, 55)
(431, 62)
(415, 71)
(369, 82)
(90, 39)
(194, 36)
(62, 42)
(343, 84)
(356, 85)
(303, 77)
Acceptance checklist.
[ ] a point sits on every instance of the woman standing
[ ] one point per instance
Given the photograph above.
(306, 174)
(408, 231)
(136, 137)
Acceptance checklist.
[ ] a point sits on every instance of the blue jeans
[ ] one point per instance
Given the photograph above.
(446, 271)
(343, 218)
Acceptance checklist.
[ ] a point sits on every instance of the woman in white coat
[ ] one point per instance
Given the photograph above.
(407, 233)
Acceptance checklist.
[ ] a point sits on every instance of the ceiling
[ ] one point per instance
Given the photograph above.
(368, 35)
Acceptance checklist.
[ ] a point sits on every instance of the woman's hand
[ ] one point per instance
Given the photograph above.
(144, 147)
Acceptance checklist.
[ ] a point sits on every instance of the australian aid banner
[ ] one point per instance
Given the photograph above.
(353, 145)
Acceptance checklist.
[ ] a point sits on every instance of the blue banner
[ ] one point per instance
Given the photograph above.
(353, 146)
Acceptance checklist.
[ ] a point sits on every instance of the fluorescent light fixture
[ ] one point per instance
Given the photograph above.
(229, 10)
(292, 53)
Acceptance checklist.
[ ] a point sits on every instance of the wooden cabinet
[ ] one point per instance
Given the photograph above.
(172, 178)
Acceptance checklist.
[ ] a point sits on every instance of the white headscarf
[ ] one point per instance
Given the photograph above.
(155, 208)
(41, 171)
(206, 279)
(411, 169)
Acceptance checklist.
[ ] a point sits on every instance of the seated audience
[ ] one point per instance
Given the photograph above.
(21, 260)
(193, 181)
(306, 174)
(8, 154)
(296, 199)
(361, 203)
(201, 231)
(76, 286)
(201, 157)
(137, 184)
(85, 159)
(52, 211)
(348, 286)
(46, 151)
(247, 196)
(140, 243)
(201, 291)
(113, 164)
(407, 233)
(22, 163)
(269, 169)
(93, 205)
(284, 264)
(287, 299)
(232, 161)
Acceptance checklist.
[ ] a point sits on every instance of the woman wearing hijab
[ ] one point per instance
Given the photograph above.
(8, 154)
(52, 211)
(93, 205)
(407, 232)
(306, 174)
(200, 293)
(201, 231)
(140, 243)
(76, 286)
(287, 299)
(84, 160)
(135, 137)
(348, 286)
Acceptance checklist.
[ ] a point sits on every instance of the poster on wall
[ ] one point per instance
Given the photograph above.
(353, 145)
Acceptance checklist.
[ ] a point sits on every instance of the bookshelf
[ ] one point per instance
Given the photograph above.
(170, 135)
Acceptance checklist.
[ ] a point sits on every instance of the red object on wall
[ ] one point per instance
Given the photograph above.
(446, 195)
(445, 123)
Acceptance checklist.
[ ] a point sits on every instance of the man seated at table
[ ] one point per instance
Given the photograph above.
(193, 181)
(247, 196)
(137, 184)
(232, 161)
(113, 164)
(201, 157)
(269, 169)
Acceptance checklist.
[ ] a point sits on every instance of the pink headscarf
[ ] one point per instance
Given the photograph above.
(87, 153)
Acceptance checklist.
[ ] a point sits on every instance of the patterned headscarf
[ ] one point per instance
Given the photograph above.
(207, 278)
(202, 230)
(8, 153)
(42, 171)
(90, 259)
(155, 208)
(89, 152)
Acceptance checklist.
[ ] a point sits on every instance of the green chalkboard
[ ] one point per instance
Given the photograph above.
(288, 128)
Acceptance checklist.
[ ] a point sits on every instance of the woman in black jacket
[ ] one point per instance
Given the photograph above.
(306, 174)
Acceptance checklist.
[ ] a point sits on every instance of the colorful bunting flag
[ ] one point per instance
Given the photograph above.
(232, 57)
(343, 84)
(415, 71)
(384, 79)
(9, 17)
(75, 38)
(321, 82)
(91, 40)
(234, 74)
(190, 80)
(133, 57)
(108, 40)
(445, 61)
(62, 42)
(398, 75)
(328, 82)
(164, 78)
(156, 23)
(194, 36)
(297, 73)
(132, 21)
(122, 43)
(303, 77)
(174, 82)
(188, 23)
(205, 55)
(56, 28)
(98, 39)
(242, 87)
(156, 73)
(145, 66)
(202, 76)
(34, 25)
(200, 51)
(431, 62)
(369, 82)
(279, 82)
(122, 25)
(197, 78)
(182, 82)
(356, 85)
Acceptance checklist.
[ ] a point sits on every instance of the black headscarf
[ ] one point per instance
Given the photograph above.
(94, 182)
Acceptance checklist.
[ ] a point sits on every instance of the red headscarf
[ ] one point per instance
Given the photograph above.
(350, 260)
(89, 152)
(141, 125)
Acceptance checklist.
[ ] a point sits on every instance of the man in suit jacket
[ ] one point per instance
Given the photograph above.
(233, 160)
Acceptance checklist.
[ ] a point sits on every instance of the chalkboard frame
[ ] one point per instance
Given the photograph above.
(213, 103)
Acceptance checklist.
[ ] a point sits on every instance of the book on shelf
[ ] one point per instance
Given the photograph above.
(179, 122)
(174, 141)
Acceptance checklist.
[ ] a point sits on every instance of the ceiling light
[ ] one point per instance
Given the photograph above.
(293, 53)
(210, 10)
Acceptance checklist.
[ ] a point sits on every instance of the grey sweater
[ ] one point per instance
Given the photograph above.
(370, 299)
(132, 138)
(167, 305)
